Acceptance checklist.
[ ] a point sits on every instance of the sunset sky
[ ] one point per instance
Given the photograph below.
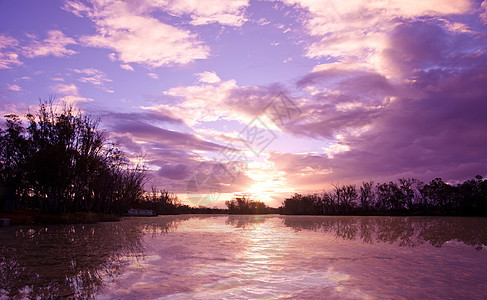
(376, 90)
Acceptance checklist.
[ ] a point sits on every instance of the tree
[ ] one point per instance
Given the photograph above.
(366, 195)
(349, 196)
(245, 205)
(298, 204)
(62, 163)
(406, 187)
(438, 193)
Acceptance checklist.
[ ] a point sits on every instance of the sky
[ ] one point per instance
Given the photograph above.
(219, 98)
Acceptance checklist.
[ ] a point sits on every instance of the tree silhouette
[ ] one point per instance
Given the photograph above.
(61, 162)
(409, 196)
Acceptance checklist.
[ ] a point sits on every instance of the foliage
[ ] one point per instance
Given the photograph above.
(408, 196)
(245, 205)
(61, 162)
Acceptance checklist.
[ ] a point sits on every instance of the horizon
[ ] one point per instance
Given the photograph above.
(267, 98)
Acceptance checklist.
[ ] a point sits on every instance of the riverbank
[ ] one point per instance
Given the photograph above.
(23, 217)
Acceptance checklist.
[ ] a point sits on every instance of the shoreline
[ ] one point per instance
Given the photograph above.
(26, 217)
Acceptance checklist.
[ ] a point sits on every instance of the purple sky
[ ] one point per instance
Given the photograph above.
(380, 89)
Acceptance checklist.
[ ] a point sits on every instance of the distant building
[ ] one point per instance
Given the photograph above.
(140, 212)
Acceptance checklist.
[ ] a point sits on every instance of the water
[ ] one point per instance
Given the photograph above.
(242, 257)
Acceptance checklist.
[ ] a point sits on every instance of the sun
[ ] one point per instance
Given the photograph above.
(260, 191)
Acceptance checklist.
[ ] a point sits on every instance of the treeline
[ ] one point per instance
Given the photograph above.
(60, 162)
(163, 202)
(407, 196)
(245, 205)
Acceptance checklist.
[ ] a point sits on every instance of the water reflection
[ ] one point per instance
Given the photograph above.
(242, 221)
(70, 261)
(229, 257)
(405, 231)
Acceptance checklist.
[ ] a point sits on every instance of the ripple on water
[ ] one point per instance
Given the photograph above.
(242, 257)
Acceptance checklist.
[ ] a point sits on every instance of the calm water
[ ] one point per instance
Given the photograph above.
(258, 257)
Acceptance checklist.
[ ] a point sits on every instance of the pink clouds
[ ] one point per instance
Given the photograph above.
(431, 124)
(230, 13)
(208, 77)
(204, 102)
(55, 44)
(483, 12)
(358, 31)
(173, 156)
(8, 57)
(136, 36)
(94, 76)
(14, 87)
(69, 93)
(384, 88)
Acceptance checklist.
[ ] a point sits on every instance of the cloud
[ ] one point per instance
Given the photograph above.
(14, 88)
(136, 36)
(176, 172)
(483, 12)
(358, 31)
(171, 156)
(70, 92)
(55, 44)
(6, 108)
(229, 13)
(304, 171)
(251, 101)
(208, 77)
(199, 103)
(216, 101)
(426, 121)
(93, 76)
(127, 67)
(263, 21)
(158, 117)
(8, 57)
(375, 127)
(143, 131)
(153, 75)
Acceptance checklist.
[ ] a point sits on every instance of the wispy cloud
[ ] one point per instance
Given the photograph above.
(262, 22)
(229, 13)
(127, 67)
(14, 88)
(55, 44)
(8, 57)
(153, 75)
(93, 76)
(483, 12)
(69, 92)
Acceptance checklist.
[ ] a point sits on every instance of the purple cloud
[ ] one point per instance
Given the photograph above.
(176, 172)
(434, 125)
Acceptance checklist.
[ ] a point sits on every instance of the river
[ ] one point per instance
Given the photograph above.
(248, 257)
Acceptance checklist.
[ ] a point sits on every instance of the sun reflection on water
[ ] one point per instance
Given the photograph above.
(248, 257)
